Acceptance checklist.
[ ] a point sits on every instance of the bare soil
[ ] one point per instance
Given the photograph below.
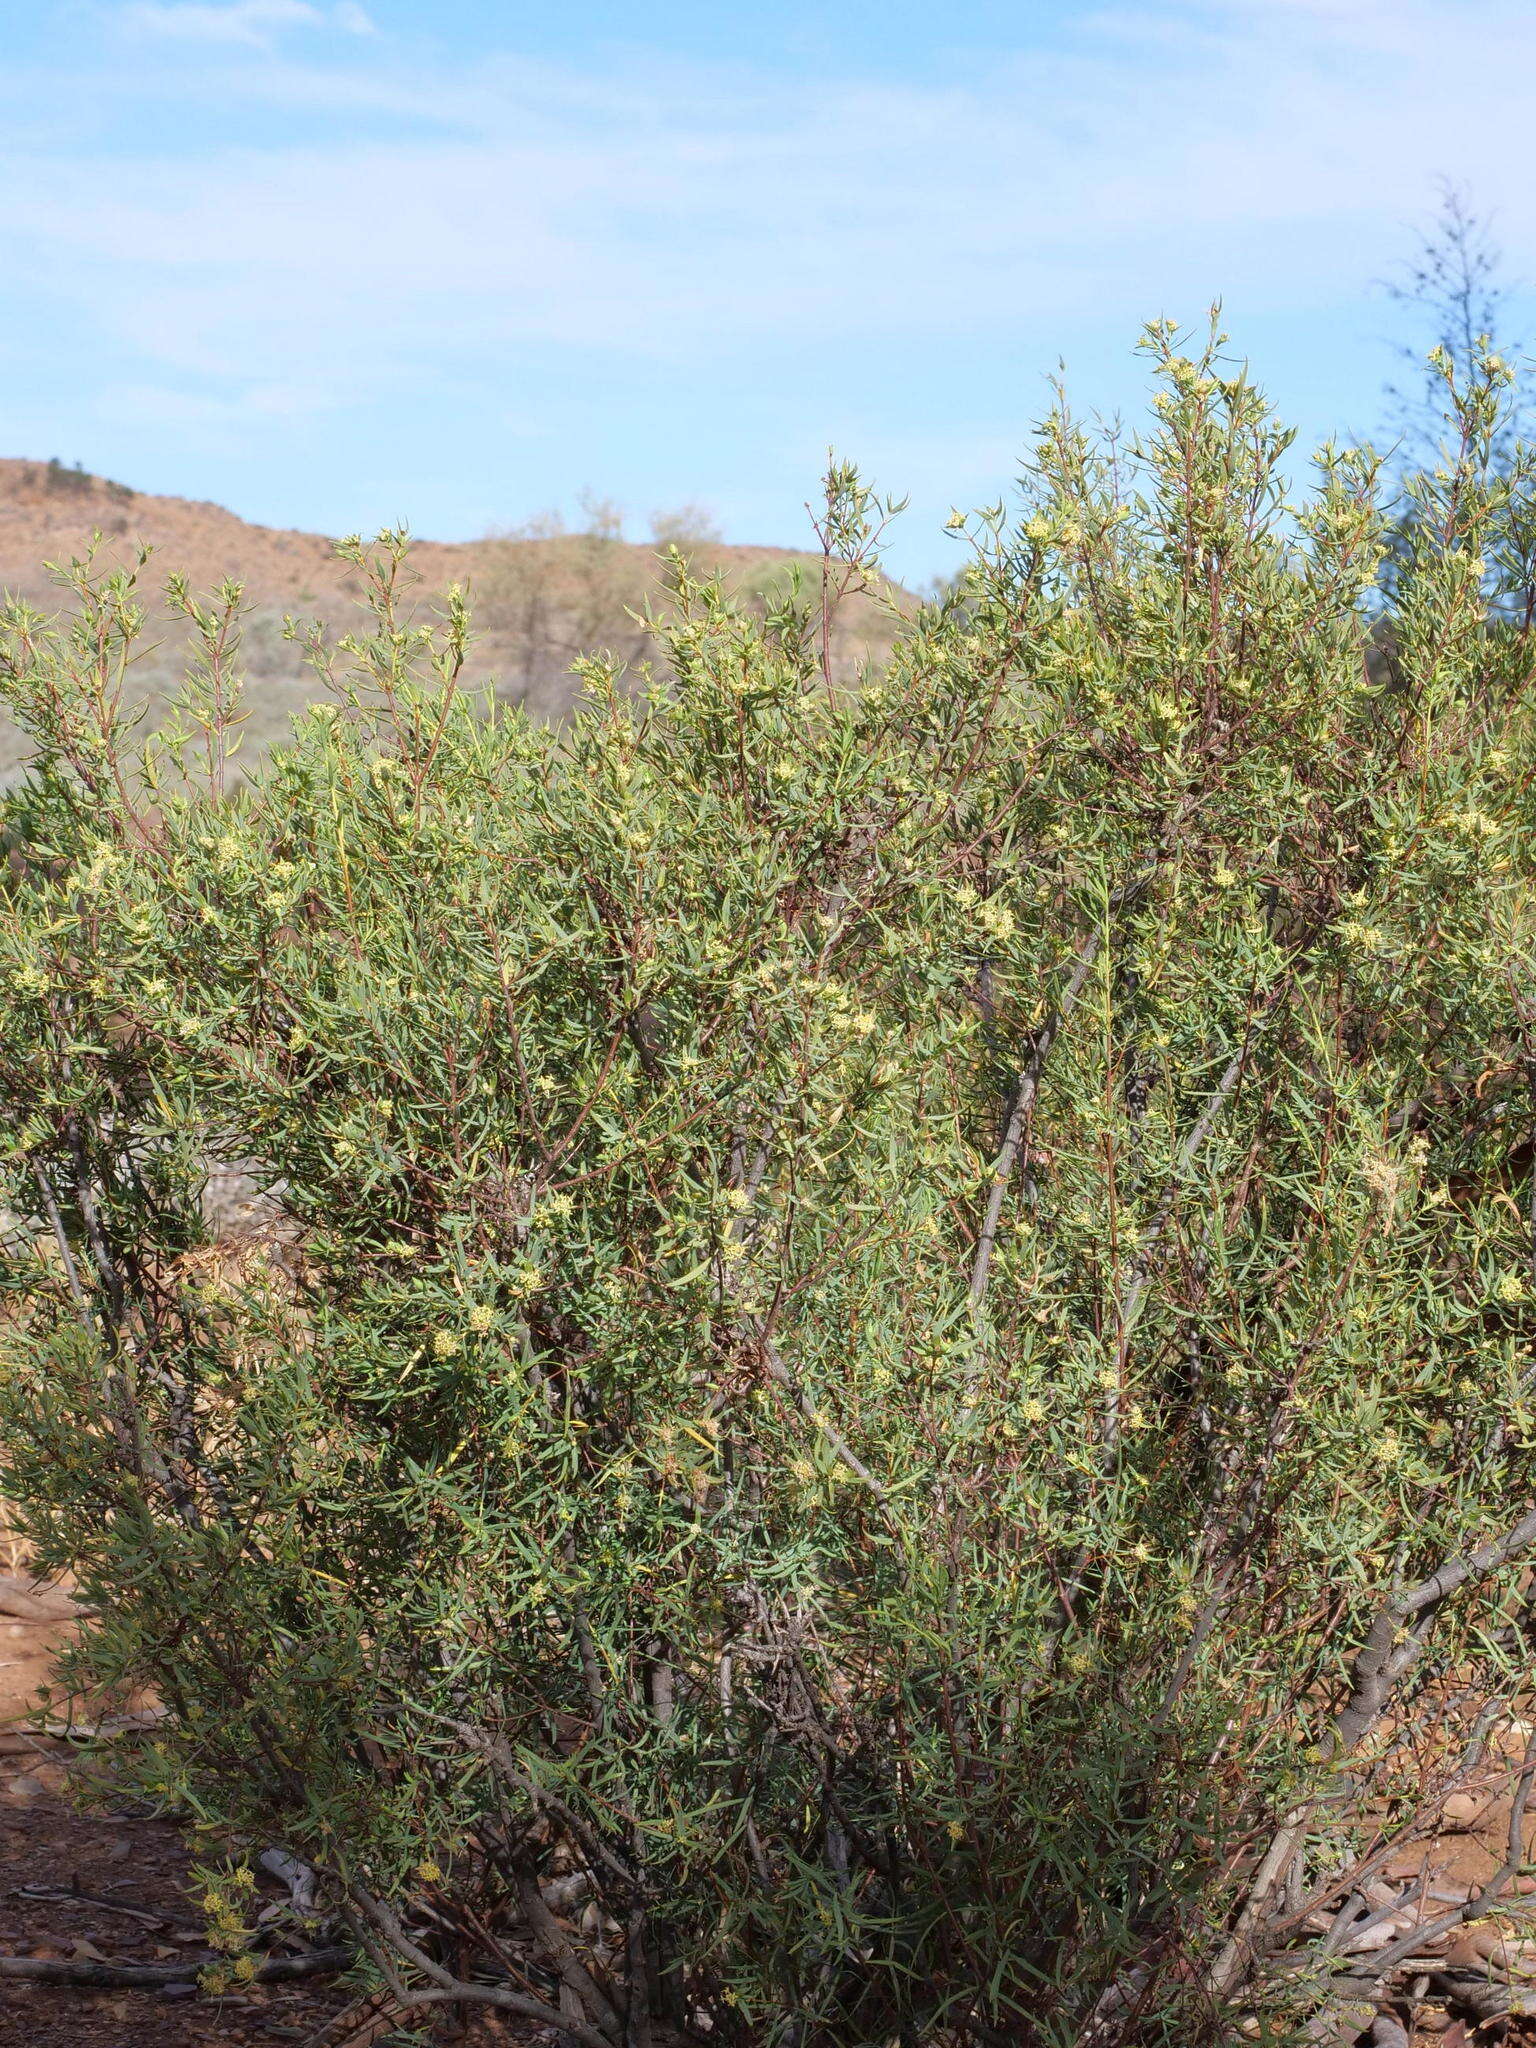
(114, 1885)
(86, 1876)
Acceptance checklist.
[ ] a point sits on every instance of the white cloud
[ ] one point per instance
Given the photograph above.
(1255, 147)
(254, 23)
(496, 224)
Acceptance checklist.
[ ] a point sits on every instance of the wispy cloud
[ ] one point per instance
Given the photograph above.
(367, 224)
(1258, 147)
(254, 23)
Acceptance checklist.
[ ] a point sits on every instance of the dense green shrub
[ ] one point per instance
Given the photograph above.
(889, 1303)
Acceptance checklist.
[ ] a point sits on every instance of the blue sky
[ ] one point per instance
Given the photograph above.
(340, 262)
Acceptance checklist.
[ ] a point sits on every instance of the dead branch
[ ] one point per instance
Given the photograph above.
(1394, 1644)
(152, 1976)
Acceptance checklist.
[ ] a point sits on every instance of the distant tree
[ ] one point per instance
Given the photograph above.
(1456, 297)
(604, 517)
(1461, 329)
(73, 481)
(687, 527)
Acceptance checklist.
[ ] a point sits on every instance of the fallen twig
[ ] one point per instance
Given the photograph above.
(77, 1898)
(1393, 1646)
(151, 1976)
(1491, 1897)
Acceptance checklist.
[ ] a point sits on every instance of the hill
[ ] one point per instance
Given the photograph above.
(541, 595)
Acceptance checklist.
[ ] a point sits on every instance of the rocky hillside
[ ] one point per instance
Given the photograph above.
(540, 597)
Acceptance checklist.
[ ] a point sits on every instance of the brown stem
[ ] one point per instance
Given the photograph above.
(1386, 1655)
(1018, 1114)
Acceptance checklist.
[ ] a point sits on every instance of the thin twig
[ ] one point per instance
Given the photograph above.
(836, 1442)
(1384, 1658)
(1018, 1113)
(61, 1238)
(104, 1976)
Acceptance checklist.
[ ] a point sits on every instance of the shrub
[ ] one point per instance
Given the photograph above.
(900, 1355)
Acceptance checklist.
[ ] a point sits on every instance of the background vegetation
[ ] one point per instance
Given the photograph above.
(542, 594)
